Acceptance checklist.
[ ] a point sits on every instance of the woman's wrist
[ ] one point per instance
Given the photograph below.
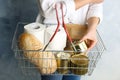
(96, 1)
(80, 3)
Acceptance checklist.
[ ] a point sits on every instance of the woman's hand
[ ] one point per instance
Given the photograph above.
(90, 38)
(96, 1)
(90, 35)
(81, 3)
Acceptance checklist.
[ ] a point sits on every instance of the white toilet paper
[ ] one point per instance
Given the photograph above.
(59, 41)
(36, 29)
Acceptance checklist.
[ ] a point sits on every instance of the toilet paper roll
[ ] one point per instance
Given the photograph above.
(36, 29)
(59, 41)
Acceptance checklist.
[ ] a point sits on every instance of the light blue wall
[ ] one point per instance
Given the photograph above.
(13, 11)
(108, 67)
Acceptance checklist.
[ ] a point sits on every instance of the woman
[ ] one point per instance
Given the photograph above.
(77, 12)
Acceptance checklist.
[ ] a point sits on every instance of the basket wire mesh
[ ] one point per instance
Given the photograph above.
(29, 68)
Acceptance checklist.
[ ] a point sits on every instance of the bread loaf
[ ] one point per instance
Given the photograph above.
(45, 61)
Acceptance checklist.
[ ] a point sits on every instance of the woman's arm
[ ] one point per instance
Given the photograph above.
(80, 3)
(94, 17)
(90, 35)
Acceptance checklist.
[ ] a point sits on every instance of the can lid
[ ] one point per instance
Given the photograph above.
(79, 59)
(63, 55)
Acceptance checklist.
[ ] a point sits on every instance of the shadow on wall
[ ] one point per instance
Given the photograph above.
(26, 10)
(12, 12)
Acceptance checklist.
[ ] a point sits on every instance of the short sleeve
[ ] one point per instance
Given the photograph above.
(95, 10)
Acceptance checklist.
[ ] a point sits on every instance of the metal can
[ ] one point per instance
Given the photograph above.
(63, 62)
(79, 64)
(80, 46)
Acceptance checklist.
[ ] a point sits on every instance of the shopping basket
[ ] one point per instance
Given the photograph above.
(29, 68)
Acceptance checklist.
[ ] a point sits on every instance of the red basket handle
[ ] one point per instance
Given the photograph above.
(58, 25)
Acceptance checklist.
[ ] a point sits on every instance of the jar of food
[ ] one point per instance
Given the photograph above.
(63, 60)
(79, 64)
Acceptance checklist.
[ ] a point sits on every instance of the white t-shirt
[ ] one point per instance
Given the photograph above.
(48, 16)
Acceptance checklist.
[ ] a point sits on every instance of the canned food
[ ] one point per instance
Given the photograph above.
(63, 62)
(79, 64)
(80, 46)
